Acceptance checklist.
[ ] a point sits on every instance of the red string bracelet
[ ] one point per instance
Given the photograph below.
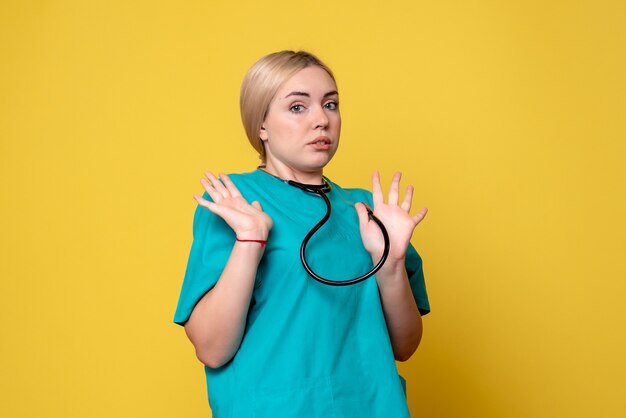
(260, 241)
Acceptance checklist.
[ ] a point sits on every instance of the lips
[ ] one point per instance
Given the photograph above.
(320, 140)
(321, 143)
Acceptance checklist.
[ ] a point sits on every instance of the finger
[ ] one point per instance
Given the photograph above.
(256, 205)
(394, 190)
(215, 195)
(220, 211)
(203, 202)
(377, 191)
(362, 214)
(408, 199)
(217, 185)
(420, 215)
(230, 186)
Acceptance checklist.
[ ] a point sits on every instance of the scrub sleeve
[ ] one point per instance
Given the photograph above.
(309, 350)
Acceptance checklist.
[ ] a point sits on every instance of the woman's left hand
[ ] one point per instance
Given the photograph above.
(396, 218)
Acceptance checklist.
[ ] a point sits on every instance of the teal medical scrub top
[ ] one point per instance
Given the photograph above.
(309, 349)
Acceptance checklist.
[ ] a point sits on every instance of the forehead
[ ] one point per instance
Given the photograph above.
(313, 80)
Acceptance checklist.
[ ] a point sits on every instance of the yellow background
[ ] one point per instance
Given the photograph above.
(508, 117)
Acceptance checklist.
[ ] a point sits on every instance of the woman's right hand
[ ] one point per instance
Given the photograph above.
(247, 220)
(218, 321)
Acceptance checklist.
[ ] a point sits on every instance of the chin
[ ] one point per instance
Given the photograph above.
(324, 160)
(320, 166)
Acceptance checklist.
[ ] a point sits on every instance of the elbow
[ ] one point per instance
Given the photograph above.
(403, 355)
(212, 360)
(404, 352)
(210, 354)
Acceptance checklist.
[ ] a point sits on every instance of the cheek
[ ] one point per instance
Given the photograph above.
(338, 123)
(287, 126)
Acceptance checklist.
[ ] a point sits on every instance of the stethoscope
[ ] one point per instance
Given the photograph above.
(321, 190)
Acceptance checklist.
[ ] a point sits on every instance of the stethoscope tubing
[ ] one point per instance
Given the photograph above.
(321, 190)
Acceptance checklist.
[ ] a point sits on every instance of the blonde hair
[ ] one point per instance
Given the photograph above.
(261, 83)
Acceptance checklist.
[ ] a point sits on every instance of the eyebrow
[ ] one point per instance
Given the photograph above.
(305, 94)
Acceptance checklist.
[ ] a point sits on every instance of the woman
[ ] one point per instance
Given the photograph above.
(275, 342)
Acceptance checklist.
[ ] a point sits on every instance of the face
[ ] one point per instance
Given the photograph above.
(302, 126)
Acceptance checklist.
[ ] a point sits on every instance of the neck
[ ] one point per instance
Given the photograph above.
(289, 173)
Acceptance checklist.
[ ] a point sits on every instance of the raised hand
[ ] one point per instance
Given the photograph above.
(396, 218)
(247, 220)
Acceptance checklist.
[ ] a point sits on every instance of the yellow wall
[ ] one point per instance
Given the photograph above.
(509, 117)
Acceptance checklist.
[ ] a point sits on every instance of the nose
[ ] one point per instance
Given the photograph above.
(320, 118)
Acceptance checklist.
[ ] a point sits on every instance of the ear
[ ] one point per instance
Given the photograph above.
(263, 133)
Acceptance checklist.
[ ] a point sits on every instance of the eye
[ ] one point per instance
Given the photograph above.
(297, 108)
(331, 105)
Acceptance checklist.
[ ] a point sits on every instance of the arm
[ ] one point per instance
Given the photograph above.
(404, 321)
(401, 314)
(216, 325)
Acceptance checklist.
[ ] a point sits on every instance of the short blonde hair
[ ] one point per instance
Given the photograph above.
(261, 83)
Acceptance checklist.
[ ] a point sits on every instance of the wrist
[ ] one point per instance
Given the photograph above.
(261, 242)
(391, 267)
(252, 249)
(256, 234)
